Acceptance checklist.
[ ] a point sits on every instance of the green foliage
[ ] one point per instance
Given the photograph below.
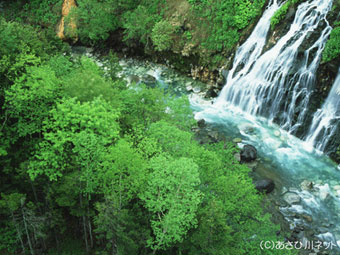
(188, 35)
(42, 12)
(161, 35)
(30, 99)
(171, 196)
(332, 47)
(139, 24)
(87, 82)
(22, 46)
(280, 14)
(121, 162)
(141, 107)
(8, 239)
(112, 63)
(225, 19)
(94, 19)
(74, 126)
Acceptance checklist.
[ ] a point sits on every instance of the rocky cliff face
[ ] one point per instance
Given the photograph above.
(67, 31)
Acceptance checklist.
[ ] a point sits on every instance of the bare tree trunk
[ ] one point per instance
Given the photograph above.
(84, 224)
(90, 227)
(35, 194)
(18, 232)
(26, 229)
(56, 239)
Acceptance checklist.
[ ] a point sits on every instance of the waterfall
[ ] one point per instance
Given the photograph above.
(326, 120)
(278, 83)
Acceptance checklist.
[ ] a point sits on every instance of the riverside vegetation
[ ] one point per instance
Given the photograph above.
(90, 165)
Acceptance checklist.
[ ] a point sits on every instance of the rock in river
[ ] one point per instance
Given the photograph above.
(292, 198)
(201, 123)
(265, 185)
(248, 153)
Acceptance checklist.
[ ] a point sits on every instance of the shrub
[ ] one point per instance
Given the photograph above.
(332, 47)
(161, 35)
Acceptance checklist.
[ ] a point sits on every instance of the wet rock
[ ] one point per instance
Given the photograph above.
(293, 190)
(336, 187)
(249, 130)
(322, 230)
(265, 185)
(252, 165)
(201, 123)
(306, 185)
(211, 93)
(277, 133)
(197, 90)
(189, 88)
(324, 194)
(307, 217)
(237, 140)
(237, 156)
(214, 135)
(284, 190)
(221, 81)
(248, 153)
(246, 128)
(292, 198)
(149, 79)
(133, 79)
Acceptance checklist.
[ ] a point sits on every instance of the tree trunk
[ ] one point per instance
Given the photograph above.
(84, 224)
(26, 229)
(18, 232)
(90, 227)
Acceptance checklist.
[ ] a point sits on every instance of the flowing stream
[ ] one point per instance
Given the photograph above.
(264, 88)
(268, 87)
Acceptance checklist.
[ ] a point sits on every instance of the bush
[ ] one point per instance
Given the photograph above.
(332, 47)
(161, 35)
(94, 19)
(281, 13)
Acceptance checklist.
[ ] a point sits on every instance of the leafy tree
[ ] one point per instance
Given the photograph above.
(161, 35)
(31, 98)
(123, 177)
(72, 123)
(95, 19)
(28, 225)
(141, 107)
(87, 82)
(172, 198)
(332, 47)
(139, 24)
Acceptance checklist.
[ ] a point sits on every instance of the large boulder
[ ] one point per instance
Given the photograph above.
(265, 185)
(201, 123)
(292, 198)
(248, 153)
(211, 93)
(149, 80)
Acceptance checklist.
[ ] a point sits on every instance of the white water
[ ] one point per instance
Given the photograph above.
(289, 160)
(267, 84)
(326, 120)
(264, 88)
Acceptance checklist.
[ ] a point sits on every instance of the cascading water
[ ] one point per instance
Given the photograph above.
(268, 85)
(326, 120)
(275, 86)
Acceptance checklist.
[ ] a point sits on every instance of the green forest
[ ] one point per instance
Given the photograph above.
(90, 165)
